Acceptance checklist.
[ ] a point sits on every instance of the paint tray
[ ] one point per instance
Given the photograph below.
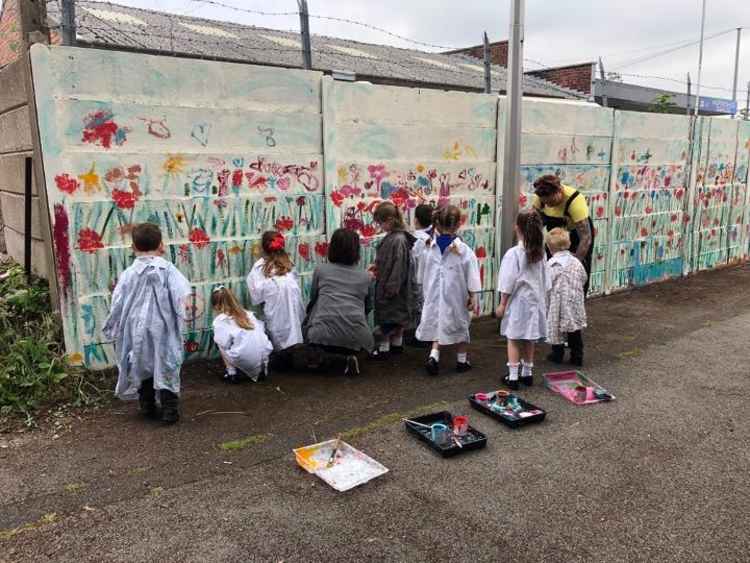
(472, 440)
(350, 468)
(513, 418)
(565, 383)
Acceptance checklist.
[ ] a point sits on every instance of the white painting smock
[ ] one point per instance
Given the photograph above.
(245, 349)
(527, 284)
(447, 280)
(283, 310)
(146, 323)
(566, 311)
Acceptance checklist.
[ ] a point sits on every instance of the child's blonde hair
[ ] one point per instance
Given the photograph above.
(224, 301)
(558, 239)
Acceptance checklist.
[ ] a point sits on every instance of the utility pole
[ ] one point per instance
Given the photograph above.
(487, 66)
(68, 22)
(512, 157)
(747, 103)
(604, 83)
(700, 62)
(736, 68)
(687, 102)
(304, 27)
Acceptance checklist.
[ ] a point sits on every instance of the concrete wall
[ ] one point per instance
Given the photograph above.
(216, 153)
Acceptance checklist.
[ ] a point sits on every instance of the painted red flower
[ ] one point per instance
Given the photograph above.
(284, 223)
(678, 193)
(368, 231)
(89, 240)
(237, 178)
(220, 258)
(337, 198)
(644, 232)
(400, 197)
(321, 249)
(618, 211)
(673, 217)
(304, 251)
(199, 238)
(123, 199)
(100, 129)
(600, 211)
(648, 210)
(191, 346)
(481, 252)
(66, 183)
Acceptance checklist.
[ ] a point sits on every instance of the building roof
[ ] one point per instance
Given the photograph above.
(107, 25)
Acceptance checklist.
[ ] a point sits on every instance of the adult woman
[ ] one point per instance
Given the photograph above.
(565, 207)
(340, 301)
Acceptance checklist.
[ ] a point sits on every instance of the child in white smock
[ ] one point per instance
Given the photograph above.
(449, 274)
(523, 285)
(273, 283)
(241, 339)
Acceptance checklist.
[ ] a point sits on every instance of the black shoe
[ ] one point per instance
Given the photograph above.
(379, 356)
(352, 366)
(577, 361)
(397, 349)
(147, 398)
(510, 384)
(557, 355)
(170, 407)
(432, 366)
(233, 378)
(463, 367)
(528, 381)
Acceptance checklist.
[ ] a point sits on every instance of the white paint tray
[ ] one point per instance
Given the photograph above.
(350, 468)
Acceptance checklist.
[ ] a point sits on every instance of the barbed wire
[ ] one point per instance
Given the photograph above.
(246, 10)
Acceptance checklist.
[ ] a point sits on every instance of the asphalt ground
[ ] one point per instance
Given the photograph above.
(659, 474)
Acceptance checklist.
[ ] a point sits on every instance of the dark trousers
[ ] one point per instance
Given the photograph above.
(575, 343)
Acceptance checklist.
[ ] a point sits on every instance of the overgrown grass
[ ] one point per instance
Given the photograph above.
(33, 369)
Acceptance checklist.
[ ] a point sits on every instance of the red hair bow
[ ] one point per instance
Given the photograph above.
(277, 243)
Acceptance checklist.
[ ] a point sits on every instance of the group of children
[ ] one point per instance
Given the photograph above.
(427, 280)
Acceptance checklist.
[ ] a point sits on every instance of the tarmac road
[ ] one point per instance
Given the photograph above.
(659, 474)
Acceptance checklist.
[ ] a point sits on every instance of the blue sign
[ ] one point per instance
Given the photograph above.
(718, 105)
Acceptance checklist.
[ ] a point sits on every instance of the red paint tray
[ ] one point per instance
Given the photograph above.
(576, 387)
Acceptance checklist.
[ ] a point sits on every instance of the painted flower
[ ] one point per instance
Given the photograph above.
(100, 129)
(114, 174)
(304, 251)
(301, 201)
(89, 240)
(283, 183)
(481, 252)
(66, 183)
(284, 223)
(237, 178)
(644, 232)
(600, 211)
(220, 203)
(199, 238)
(678, 193)
(184, 252)
(337, 198)
(233, 250)
(321, 249)
(368, 231)
(420, 168)
(377, 171)
(270, 199)
(191, 346)
(123, 199)
(400, 197)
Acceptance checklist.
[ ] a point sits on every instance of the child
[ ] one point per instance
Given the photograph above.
(523, 285)
(273, 283)
(566, 314)
(449, 274)
(242, 342)
(423, 221)
(146, 324)
(394, 280)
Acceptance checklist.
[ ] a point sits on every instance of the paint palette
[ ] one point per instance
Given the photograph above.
(511, 409)
(472, 440)
(576, 387)
(350, 467)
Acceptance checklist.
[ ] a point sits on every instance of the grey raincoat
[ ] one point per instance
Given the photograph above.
(396, 294)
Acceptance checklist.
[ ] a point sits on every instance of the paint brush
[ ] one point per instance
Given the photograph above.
(458, 442)
(332, 459)
(415, 423)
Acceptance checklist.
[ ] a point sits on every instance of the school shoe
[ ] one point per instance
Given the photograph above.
(463, 367)
(432, 366)
(352, 366)
(509, 383)
(576, 360)
(170, 407)
(261, 376)
(528, 381)
(557, 355)
(147, 398)
(233, 378)
(379, 356)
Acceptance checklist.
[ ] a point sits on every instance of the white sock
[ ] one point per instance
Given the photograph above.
(434, 353)
(385, 346)
(513, 372)
(526, 369)
(461, 357)
(398, 340)
(231, 370)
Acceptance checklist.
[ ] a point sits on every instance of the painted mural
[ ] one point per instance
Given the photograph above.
(237, 152)
(411, 147)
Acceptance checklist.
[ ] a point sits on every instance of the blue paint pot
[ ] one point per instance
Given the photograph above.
(439, 433)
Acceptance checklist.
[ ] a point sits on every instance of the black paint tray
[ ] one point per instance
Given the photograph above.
(511, 420)
(472, 440)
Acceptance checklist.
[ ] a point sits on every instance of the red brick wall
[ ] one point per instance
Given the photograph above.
(11, 42)
(498, 52)
(577, 77)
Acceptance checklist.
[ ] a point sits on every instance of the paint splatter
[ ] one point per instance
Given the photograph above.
(174, 164)
(90, 180)
(89, 240)
(284, 224)
(199, 238)
(304, 251)
(124, 199)
(99, 128)
(62, 247)
(321, 249)
(66, 183)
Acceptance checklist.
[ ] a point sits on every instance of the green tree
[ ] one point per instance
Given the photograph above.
(663, 103)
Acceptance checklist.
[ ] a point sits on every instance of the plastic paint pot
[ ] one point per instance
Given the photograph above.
(481, 397)
(439, 433)
(581, 393)
(460, 425)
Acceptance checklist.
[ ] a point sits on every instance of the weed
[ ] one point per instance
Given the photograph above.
(389, 419)
(234, 445)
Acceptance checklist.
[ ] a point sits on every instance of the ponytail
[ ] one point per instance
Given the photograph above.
(529, 223)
